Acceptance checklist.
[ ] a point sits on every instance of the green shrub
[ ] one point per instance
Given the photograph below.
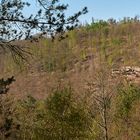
(69, 120)
(59, 117)
(127, 97)
(125, 119)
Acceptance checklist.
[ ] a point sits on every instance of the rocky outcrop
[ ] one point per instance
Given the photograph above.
(131, 73)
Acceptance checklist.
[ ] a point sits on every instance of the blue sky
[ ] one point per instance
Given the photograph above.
(102, 9)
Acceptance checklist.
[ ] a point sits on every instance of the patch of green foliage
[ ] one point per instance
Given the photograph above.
(126, 99)
(58, 117)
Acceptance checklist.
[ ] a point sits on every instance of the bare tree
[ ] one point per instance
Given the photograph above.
(100, 95)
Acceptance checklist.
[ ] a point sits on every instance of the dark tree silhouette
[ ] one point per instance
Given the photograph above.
(50, 20)
(4, 84)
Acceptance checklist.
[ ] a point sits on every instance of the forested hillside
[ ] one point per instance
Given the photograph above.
(84, 87)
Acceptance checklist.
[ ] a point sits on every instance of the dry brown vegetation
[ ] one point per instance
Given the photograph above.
(74, 59)
(79, 67)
